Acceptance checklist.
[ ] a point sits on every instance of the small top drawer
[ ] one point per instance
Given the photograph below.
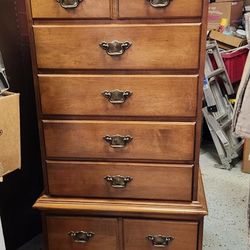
(70, 9)
(160, 8)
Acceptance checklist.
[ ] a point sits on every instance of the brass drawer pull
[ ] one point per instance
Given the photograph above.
(159, 3)
(118, 141)
(69, 4)
(160, 240)
(117, 96)
(81, 236)
(115, 48)
(118, 181)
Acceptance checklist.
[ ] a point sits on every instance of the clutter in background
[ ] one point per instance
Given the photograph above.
(229, 24)
(241, 122)
(247, 25)
(246, 157)
(4, 84)
(218, 111)
(10, 155)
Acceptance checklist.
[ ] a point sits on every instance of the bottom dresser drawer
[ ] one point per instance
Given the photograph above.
(152, 234)
(98, 233)
(120, 180)
(66, 233)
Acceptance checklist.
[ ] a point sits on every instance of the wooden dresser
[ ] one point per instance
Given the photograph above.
(118, 87)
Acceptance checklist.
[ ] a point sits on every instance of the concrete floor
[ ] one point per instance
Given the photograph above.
(227, 197)
(226, 225)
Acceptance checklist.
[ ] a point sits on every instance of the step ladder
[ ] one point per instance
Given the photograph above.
(4, 84)
(218, 111)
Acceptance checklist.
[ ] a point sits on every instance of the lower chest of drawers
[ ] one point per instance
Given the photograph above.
(77, 232)
(116, 224)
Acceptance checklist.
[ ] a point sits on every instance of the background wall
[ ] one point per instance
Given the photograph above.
(20, 189)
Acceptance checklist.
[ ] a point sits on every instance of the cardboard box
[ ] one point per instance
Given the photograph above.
(216, 12)
(246, 157)
(10, 149)
(232, 10)
(236, 12)
(227, 42)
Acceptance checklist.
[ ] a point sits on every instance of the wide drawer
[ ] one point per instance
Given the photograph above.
(158, 8)
(86, 9)
(120, 180)
(153, 46)
(118, 95)
(143, 234)
(119, 140)
(64, 233)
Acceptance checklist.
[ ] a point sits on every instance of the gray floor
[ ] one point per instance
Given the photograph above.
(227, 197)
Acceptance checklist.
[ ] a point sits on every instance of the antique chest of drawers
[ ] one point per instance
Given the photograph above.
(118, 87)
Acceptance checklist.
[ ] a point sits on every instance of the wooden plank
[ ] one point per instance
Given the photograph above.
(152, 96)
(87, 9)
(153, 46)
(151, 140)
(175, 9)
(149, 181)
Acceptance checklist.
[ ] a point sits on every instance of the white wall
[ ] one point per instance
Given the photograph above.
(2, 245)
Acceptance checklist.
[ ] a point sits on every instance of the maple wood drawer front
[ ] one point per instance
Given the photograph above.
(64, 233)
(152, 46)
(86, 9)
(150, 9)
(142, 234)
(120, 140)
(146, 95)
(120, 180)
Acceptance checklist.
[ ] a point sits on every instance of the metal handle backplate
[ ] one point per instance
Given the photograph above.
(118, 181)
(81, 236)
(160, 240)
(117, 96)
(118, 141)
(115, 48)
(69, 4)
(159, 3)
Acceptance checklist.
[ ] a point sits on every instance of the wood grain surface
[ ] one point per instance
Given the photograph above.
(87, 9)
(151, 140)
(105, 230)
(154, 96)
(193, 210)
(150, 181)
(176, 9)
(153, 46)
(136, 231)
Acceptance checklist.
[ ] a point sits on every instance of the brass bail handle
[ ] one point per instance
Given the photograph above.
(81, 236)
(118, 181)
(117, 96)
(159, 3)
(118, 141)
(69, 4)
(160, 240)
(115, 48)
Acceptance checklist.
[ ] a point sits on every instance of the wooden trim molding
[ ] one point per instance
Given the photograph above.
(116, 207)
